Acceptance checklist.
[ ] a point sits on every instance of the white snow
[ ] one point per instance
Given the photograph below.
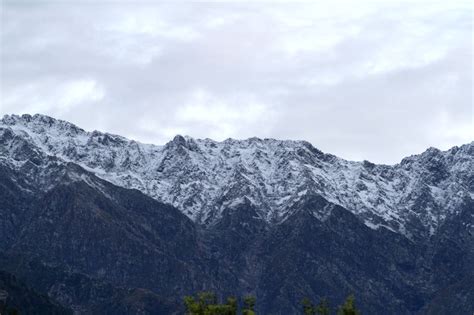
(198, 175)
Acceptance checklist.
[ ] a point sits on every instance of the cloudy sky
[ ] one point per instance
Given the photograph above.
(363, 80)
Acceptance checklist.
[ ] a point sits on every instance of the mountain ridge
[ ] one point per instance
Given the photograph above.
(96, 246)
(9, 119)
(201, 177)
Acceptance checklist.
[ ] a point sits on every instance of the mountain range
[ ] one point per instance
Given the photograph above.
(98, 223)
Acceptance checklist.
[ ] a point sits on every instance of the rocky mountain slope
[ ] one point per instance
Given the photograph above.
(96, 222)
(204, 177)
(16, 296)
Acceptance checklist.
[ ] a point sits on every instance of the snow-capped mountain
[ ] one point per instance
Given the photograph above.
(82, 220)
(202, 177)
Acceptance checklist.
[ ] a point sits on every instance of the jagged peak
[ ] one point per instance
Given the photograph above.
(43, 120)
(467, 148)
(193, 174)
(179, 142)
(431, 152)
(40, 121)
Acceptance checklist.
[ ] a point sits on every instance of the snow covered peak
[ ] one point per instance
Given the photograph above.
(202, 177)
(39, 123)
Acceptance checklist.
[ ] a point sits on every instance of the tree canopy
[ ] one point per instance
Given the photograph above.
(207, 303)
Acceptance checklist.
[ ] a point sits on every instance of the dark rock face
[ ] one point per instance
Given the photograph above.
(16, 296)
(106, 232)
(456, 298)
(97, 248)
(88, 238)
(84, 294)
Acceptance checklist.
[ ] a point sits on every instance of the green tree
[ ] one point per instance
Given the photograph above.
(199, 306)
(308, 307)
(218, 309)
(348, 308)
(323, 307)
(249, 305)
(232, 303)
(207, 298)
(206, 304)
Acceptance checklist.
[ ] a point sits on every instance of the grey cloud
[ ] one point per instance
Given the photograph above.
(376, 83)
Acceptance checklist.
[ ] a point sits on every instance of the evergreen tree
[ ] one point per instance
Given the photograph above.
(207, 298)
(192, 307)
(249, 305)
(232, 303)
(206, 304)
(348, 308)
(308, 307)
(323, 307)
(219, 309)
(202, 305)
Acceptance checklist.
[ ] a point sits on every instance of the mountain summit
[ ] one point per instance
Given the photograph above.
(203, 177)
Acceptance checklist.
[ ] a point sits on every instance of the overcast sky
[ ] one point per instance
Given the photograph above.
(362, 80)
